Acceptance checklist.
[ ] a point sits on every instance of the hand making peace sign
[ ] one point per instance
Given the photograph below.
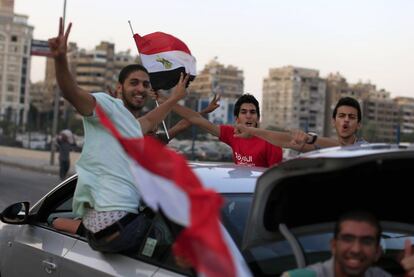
(58, 45)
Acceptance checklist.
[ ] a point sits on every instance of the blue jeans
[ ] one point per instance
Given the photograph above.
(128, 239)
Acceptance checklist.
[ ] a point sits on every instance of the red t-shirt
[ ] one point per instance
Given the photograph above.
(252, 151)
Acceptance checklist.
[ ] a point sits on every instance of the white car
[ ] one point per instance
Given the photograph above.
(29, 246)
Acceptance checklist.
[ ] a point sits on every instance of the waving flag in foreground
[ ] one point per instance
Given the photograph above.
(165, 57)
(165, 181)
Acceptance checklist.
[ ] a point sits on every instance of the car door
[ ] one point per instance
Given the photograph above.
(79, 259)
(35, 251)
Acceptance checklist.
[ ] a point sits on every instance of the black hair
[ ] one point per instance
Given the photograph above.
(360, 216)
(127, 70)
(246, 98)
(348, 101)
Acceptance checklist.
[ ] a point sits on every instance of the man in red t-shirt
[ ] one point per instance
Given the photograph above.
(252, 151)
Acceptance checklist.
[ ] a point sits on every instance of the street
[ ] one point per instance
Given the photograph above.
(23, 185)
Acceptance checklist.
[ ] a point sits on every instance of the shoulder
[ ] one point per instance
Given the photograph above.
(302, 272)
(108, 103)
(376, 272)
(360, 141)
(102, 96)
(226, 127)
(226, 130)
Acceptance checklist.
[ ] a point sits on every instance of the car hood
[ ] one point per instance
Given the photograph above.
(316, 190)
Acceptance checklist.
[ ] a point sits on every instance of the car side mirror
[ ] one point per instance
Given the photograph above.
(17, 213)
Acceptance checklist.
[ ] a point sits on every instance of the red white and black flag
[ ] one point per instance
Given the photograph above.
(165, 57)
(166, 183)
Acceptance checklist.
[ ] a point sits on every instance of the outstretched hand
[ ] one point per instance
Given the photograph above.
(242, 131)
(408, 260)
(157, 95)
(298, 138)
(58, 45)
(179, 90)
(213, 105)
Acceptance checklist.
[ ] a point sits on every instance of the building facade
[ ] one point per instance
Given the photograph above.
(94, 70)
(294, 98)
(380, 119)
(15, 39)
(406, 114)
(379, 112)
(216, 78)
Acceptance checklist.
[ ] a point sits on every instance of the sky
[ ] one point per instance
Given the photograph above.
(369, 40)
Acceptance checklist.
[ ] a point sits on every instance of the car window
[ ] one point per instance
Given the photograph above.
(270, 259)
(58, 203)
(157, 244)
(234, 214)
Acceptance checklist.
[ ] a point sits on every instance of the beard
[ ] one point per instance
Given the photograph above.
(130, 104)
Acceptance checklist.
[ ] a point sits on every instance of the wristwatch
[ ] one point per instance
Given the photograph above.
(312, 138)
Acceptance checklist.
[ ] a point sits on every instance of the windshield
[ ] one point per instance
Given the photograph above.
(265, 260)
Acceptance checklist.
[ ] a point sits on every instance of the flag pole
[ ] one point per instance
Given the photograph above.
(163, 123)
(130, 26)
(156, 102)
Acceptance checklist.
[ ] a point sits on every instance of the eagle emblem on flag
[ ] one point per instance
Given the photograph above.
(166, 63)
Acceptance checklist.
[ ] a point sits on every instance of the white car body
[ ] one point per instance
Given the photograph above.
(37, 249)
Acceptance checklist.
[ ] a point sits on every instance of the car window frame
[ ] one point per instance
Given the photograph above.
(64, 192)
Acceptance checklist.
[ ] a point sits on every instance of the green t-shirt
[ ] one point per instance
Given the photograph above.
(105, 182)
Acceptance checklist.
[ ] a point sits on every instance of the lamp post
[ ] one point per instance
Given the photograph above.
(56, 107)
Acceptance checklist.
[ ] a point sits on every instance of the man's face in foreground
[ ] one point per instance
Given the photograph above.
(355, 248)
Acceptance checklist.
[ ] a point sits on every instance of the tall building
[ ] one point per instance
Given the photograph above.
(217, 78)
(379, 112)
(94, 70)
(15, 38)
(294, 98)
(406, 114)
(228, 81)
(380, 119)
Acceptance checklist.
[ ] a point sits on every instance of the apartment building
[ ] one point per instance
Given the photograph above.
(216, 78)
(406, 114)
(380, 120)
(15, 39)
(294, 98)
(94, 70)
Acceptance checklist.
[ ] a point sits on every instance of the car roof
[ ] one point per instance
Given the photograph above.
(227, 177)
(316, 190)
(356, 150)
(222, 177)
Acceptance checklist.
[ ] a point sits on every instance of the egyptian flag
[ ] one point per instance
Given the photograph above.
(166, 182)
(165, 57)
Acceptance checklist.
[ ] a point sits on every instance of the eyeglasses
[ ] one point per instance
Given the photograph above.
(350, 239)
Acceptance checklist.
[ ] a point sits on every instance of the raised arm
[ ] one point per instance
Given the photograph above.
(295, 139)
(81, 100)
(197, 119)
(184, 123)
(304, 142)
(281, 139)
(153, 118)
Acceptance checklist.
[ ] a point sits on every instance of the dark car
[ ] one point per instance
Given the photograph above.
(297, 203)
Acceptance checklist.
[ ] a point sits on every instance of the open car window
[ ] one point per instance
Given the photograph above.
(157, 244)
